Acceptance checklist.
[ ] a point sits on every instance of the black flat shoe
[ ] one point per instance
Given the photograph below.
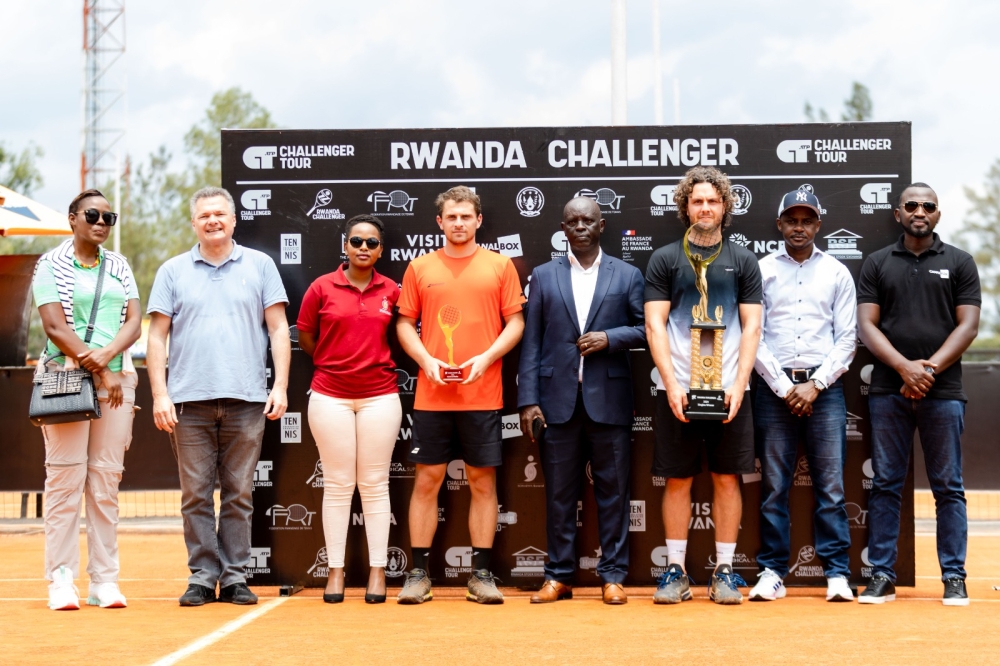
(335, 598)
(371, 598)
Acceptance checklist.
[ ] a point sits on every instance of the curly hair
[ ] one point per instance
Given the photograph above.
(713, 177)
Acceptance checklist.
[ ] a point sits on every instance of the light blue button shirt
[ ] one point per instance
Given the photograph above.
(218, 337)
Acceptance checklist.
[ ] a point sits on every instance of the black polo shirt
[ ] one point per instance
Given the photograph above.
(917, 296)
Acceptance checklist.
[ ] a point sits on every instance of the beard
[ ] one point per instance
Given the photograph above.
(918, 233)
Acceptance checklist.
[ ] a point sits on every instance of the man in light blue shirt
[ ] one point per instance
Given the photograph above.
(219, 303)
(808, 340)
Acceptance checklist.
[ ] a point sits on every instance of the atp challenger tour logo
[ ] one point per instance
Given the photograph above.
(291, 157)
(794, 151)
(258, 562)
(663, 200)
(875, 197)
(262, 474)
(254, 204)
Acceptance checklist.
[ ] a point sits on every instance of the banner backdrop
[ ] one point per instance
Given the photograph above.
(294, 189)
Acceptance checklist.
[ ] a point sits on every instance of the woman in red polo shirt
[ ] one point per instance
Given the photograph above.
(354, 410)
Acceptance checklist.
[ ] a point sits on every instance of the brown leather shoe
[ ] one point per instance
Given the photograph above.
(614, 594)
(551, 591)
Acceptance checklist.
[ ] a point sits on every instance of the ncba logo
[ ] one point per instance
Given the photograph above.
(254, 203)
(875, 197)
(756, 246)
(396, 202)
(604, 196)
(741, 199)
(319, 210)
(262, 474)
(663, 200)
(510, 426)
(293, 513)
(396, 563)
(530, 201)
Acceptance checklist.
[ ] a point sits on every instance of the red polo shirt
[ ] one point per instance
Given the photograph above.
(352, 356)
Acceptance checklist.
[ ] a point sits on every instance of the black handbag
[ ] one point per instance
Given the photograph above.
(66, 396)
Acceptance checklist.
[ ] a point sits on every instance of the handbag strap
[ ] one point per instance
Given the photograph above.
(91, 325)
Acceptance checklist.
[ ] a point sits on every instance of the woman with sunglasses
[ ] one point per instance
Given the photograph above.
(354, 410)
(87, 456)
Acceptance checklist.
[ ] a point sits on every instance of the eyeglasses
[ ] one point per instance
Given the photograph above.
(911, 206)
(92, 215)
(372, 242)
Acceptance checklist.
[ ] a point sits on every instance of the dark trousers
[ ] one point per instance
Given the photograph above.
(565, 449)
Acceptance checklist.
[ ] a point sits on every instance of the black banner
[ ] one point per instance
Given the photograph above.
(295, 188)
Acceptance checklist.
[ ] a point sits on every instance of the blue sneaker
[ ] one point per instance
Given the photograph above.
(673, 587)
(724, 583)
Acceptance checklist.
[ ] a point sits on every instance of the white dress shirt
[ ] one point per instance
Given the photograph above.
(809, 318)
(584, 282)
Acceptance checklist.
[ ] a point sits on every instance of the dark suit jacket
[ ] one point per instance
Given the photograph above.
(550, 359)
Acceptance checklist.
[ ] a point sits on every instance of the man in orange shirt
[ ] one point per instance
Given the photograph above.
(469, 301)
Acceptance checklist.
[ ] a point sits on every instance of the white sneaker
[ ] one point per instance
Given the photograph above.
(63, 594)
(105, 595)
(837, 589)
(768, 588)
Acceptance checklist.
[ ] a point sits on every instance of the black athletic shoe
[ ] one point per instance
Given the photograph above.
(197, 595)
(880, 590)
(237, 593)
(954, 592)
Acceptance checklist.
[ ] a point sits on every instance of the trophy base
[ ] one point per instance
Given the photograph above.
(706, 405)
(453, 374)
(708, 326)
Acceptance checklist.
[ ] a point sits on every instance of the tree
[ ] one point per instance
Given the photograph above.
(857, 107)
(19, 172)
(980, 235)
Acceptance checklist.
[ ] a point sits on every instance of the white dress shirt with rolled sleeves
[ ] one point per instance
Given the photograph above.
(584, 281)
(809, 319)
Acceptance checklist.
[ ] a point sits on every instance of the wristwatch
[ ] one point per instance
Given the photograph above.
(820, 386)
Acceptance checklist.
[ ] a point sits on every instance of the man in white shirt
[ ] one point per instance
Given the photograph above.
(809, 337)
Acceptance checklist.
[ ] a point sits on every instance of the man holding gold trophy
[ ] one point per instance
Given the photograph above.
(469, 301)
(703, 318)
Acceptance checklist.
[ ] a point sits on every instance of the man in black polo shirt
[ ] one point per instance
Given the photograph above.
(918, 311)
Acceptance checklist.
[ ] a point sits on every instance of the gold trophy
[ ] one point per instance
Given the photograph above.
(449, 317)
(706, 398)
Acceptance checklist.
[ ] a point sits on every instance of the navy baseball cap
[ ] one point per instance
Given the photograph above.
(800, 197)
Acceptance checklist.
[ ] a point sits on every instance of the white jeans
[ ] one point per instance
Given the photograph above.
(355, 439)
(87, 456)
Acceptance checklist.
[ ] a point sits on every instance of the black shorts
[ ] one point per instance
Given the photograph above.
(677, 454)
(440, 437)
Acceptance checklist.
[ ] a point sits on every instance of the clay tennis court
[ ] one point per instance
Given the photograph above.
(916, 629)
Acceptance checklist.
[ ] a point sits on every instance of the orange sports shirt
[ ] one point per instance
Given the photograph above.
(471, 297)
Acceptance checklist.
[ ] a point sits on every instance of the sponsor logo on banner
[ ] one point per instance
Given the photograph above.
(258, 562)
(530, 201)
(291, 428)
(316, 478)
(400, 470)
(659, 481)
(579, 512)
(866, 570)
(473, 154)
(741, 199)
(740, 561)
(757, 246)
(843, 244)
(590, 473)
(392, 204)
(857, 517)
(590, 563)
(797, 151)
(406, 385)
(869, 481)
(605, 197)
(634, 243)
(802, 477)
(755, 477)
(663, 200)
(852, 427)
(291, 157)
(254, 204)
(459, 561)
(875, 197)
(291, 248)
(531, 476)
(505, 518)
(291, 517)
(262, 474)
(701, 516)
(418, 245)
(642, 424)
(559, 244)
(396, 564)
(319, 210)
(529, 562)
(802, 568)
(866, 378)
(406, 427)
(659, 558)
(643, 152)
(440, 514)
(510, 426)
(508, 246)
(809, 188)
(456, 475)
(321, 565)
(359, 519)
(637, 516)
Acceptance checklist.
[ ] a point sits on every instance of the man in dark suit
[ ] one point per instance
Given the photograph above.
(585, 312)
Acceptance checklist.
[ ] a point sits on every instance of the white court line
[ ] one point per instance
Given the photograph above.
(220, 633)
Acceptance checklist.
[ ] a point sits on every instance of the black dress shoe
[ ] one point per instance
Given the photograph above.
(333, 598)
(197, 595)
(237, 593)
(372, 598)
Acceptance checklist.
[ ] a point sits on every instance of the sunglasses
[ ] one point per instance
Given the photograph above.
(911, 206)
(357, 241)
(92, 215)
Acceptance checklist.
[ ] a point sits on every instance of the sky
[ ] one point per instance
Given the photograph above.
(444, 63)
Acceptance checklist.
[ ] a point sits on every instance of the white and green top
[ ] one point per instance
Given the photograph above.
(60, 278)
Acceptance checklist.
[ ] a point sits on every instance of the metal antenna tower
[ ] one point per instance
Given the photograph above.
(104, 87)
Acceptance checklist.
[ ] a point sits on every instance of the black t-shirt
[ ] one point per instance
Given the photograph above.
(733, 278)
(917, 297)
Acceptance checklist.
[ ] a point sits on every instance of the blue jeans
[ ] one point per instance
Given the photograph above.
(825, 435)
(940, 422)
(217, 439)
